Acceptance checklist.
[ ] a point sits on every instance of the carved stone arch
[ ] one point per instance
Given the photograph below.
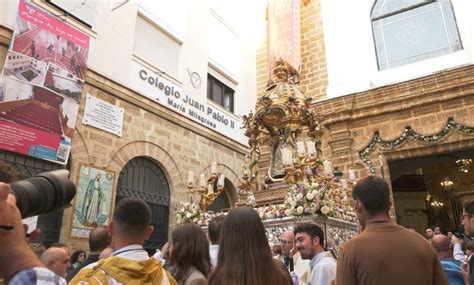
(158, 155)
(143, 177)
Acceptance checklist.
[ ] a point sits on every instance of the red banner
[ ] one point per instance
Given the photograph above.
(283, 29)
(41, 86)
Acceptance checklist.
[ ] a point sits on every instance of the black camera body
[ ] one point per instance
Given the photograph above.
(43, 193)
(459, 233)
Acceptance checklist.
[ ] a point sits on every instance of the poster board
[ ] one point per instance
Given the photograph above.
(41, 85)
(93, 202)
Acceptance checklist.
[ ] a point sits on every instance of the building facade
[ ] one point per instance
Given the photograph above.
(393, 80)
(183, 72)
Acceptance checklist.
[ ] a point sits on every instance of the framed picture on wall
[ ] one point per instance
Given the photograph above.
(93, 203)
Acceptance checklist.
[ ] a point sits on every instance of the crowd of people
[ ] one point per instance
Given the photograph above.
(236, 250)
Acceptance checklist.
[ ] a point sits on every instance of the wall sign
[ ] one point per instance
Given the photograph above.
(102, 115)
(172, 96)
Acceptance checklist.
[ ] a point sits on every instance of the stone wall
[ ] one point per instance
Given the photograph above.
(314, 77)
(424, 104)
(175, 143)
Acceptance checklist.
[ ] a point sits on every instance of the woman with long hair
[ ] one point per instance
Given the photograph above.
(77, 258)
(245, 257)
(189, 254)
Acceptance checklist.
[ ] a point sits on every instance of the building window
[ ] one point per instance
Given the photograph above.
(82, 11)
(156, 47)
(220, 93)
(406, 31)
(223, 46)
(169, 15)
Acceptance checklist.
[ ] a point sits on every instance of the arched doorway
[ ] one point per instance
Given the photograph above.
(143, 178)
(222, 201)
(421, 194)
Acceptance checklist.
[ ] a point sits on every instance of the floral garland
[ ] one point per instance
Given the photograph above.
(319, 195)
(409, 133)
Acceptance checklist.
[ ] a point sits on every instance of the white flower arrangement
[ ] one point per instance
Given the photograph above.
(206, 217)
(303, 199)
(271, 211)
(318, 196)
(188, 213)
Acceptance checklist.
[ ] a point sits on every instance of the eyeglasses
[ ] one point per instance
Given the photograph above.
(286, 241)
(465, 215)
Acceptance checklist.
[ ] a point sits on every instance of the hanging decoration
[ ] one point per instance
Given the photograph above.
(409, 134)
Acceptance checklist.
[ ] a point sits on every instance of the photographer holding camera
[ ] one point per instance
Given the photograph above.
(18, 263)
(46, 192)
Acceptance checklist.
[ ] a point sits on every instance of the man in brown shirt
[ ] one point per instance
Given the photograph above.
(384, 252)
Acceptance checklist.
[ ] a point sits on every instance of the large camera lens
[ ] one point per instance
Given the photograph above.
(44, 193)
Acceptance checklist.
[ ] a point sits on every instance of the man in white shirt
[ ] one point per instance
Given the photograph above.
(292, 259)
(310, 244)
(214, 233)
(129, 263)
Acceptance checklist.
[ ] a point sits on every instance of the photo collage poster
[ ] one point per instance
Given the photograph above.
(41, 87)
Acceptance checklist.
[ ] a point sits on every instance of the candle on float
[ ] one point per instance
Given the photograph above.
(196, 197)
(344, 184)
(311, 148)
(381, 159)
(202, 181)
(352, 175)
(284, 159)
(286, 156)
(214, 167)
(210, 188)
(221, 181)
(190, 178)
(289, 156)
(327, 168)
(246, 171)
(300, 147)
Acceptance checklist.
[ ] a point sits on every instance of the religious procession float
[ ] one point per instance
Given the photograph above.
(284, 176)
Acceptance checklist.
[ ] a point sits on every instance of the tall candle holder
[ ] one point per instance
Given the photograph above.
(206, 191)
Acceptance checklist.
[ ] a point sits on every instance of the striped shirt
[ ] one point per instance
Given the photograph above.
(38, 276)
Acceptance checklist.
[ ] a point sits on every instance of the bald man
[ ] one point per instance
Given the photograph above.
(57, 260)
(292, 258)
(452, 267)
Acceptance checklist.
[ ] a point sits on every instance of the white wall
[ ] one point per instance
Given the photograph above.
(112, 42)
(350, 52)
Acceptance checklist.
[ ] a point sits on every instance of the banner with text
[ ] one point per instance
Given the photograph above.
(41, 86)
(172, 96)
(284, 33)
